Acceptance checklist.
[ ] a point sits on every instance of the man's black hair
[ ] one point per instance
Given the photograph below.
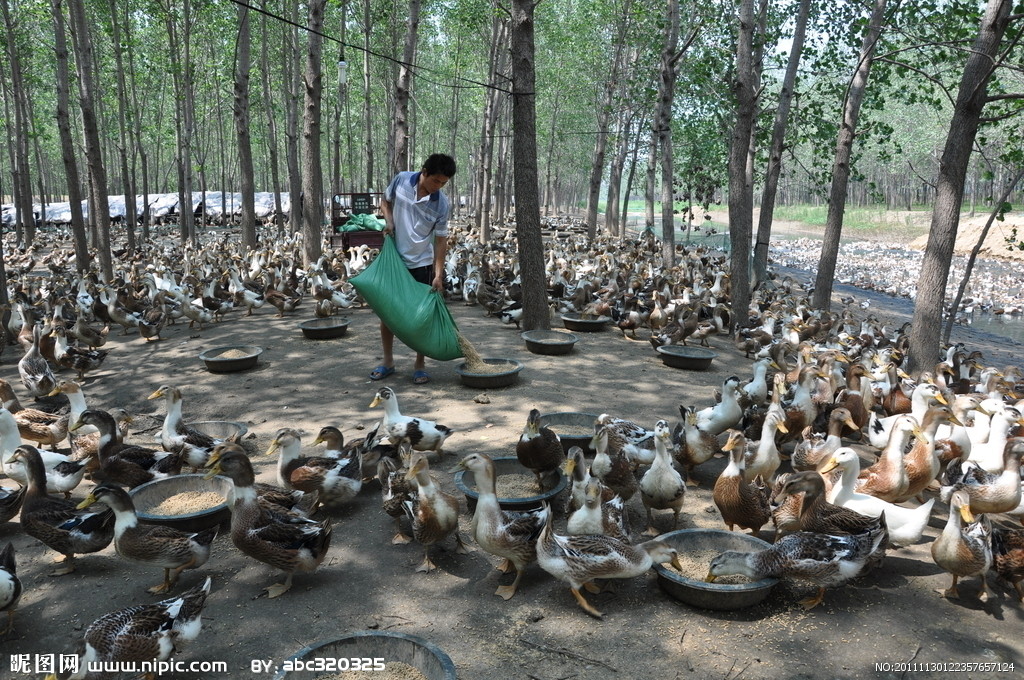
(439, 164)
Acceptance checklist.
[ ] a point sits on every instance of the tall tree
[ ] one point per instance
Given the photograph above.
(971, 98)
(741, 191)
(524, 129)
(268, 108)
(670, 55)
(25, 224)
(822, 297)
(403, 86)
(123, 139)
(243, 66)
(99, 206)
(312, 173)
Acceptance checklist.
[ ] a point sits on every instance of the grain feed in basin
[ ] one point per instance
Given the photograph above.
(233, 353)
(696, 564)
(186, 503)
(474, 362)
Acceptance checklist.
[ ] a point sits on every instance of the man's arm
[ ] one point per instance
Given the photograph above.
(440, 250)
(389, 218)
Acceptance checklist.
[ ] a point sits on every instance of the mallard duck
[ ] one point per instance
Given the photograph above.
(190, 444)
(126, 464)
(599, 516)
(905, 525)
(10, 586)
(963, 551)
(10, 502)
(578, 471)
(809, 453)
(819, 516)
(57, 523)
(85, 441)
(298, 545)
(88, 335)
(741, 503)
(507, 534)
(540, 450)
(662, 487)
(823, 560)
(76, 358)
(334, 444)
(434, 514)
(423, 435)
(696, 446)
(988, 492)
(151, 544)
(611, 466)
(762, 457)
(335, 481)
(1008, 556)
(578, 560)
(143, 632)
(726, 413)
(36, 375)
(395, 490)
(888, 479)
(637, 442)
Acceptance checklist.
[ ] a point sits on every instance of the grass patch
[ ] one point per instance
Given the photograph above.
(861, 222)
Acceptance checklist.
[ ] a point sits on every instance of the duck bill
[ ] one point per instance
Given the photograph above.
(156, 395)
(376, 400)
(710, 578)
(89, 500)
(966, 514)
(829, 465)
(676, 563)
(569, 466)
(941, 399)
(272, 449)
(75, 425)
(55, 392)
(781, 427)
(214, 471)
(318, 440)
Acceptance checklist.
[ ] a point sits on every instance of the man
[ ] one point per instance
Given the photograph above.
(416, 213)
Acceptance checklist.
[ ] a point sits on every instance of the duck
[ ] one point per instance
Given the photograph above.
(823, 560)
(334, 481)
(662, 487)
(809, 453)
(142, 632)
(963, 551)
(598, 516)
(86, 439)
(920, 399)
(56, 522)
(190, 444)
(578, 472)
(75, 358)
(434, 514)
(297, 546)
(741, 503)
(989, 454)
(87, 335)
(334, 444)
(540, 450)
(36, 374)
(988, 492)
(696, 446)
(423, 435)
(905, 525)
(64, 477)
(10, 502)
(725, 414)
(10, 586)
(126, 464)
(637, 442)
(611, 466)
(1008, 556)
(151, 544)
(395, 489)
(578, 560)
(59, 469)
(802, 410)
(762, 457)
(504, 533)
(816, 514)
(922, 461)
(888, 479)
(963, 406)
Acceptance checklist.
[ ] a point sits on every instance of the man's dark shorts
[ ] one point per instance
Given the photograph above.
(423, 274)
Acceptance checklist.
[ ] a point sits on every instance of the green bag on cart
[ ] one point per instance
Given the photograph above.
(415, 312)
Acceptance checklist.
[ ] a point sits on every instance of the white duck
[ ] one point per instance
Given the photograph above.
(423, 435)
(762, 457)
(662, 487)
(989, 455)
(905, 525)
(726, 413)
(920, 399)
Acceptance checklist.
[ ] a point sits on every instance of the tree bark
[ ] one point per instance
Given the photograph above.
(67, 143)
(127, 177)
(741, 192)
(926, 325)
(663, 131)
(771, 180)
(367, 94)
(401, 161)
(292, 79)
(99, 208)
(243, 66)
(312, 173)
(25, 224)
(492, 108)
(822, 298)
(524, 121)
(275, 179)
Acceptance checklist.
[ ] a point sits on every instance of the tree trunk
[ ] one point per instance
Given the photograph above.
(312, 173)
(135, 130)
(771, 180)
(99, 208)
(492, 107)
(127, 178)
(67, 143)
(741, 192)
(624, 219)
(401, 160)
(243, 66)
(275, 178)
(652, 164)
(548, 188)
(292, 78)
(524, 120)
(663, 131)
(956, 155)
(22, 134)
(367, 94)
(822, 297)
(611, 211)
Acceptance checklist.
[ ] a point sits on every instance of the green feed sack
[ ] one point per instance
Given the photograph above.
(414, 312)
(363, 222)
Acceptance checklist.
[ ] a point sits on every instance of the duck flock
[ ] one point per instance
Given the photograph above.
(828, 440)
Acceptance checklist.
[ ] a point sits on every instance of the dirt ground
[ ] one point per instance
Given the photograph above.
(891, 615)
